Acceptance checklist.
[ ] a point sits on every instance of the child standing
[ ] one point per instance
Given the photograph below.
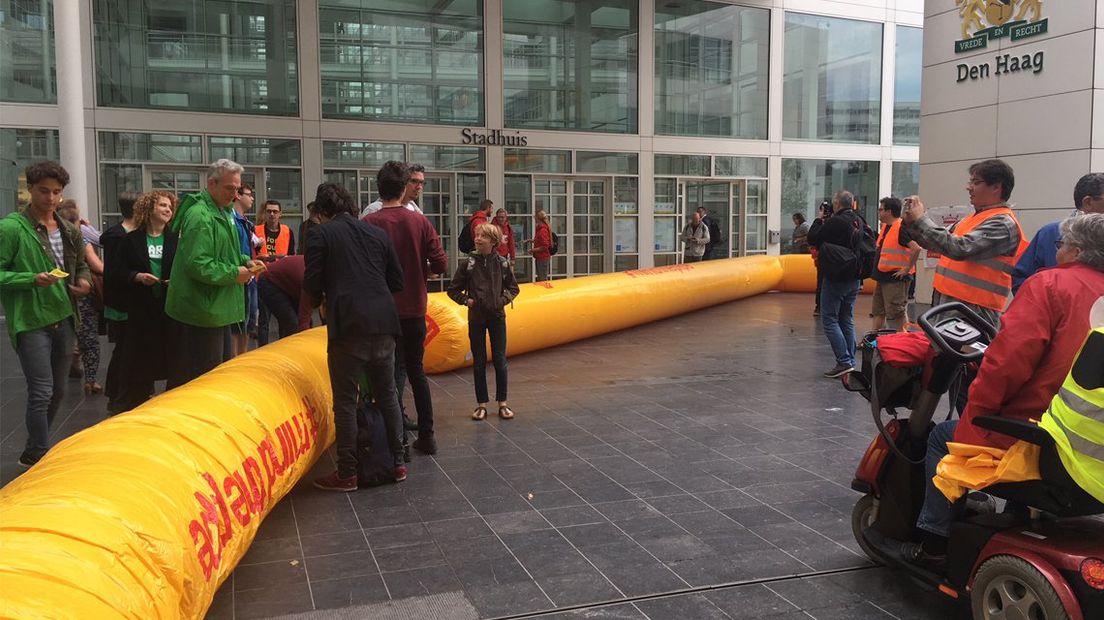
(485, 284)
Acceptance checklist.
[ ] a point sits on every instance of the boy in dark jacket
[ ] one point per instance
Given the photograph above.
(42, 273)
(485, 284)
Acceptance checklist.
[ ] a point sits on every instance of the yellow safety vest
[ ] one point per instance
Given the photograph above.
(1075, 418)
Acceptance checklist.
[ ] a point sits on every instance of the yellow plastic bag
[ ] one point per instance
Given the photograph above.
(970, 467)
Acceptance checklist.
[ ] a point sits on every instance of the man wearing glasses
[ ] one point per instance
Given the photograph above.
(1042, 253)
(411, 193)
(210, 266)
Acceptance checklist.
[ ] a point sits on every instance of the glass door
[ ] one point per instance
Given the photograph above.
(581, 228)
(717, 197)
(436, 201)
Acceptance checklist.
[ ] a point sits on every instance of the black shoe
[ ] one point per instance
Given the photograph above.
(25, 461)
(408, 424)
(816, 311)
(838, 371)
(406, 453)
(917, 554)
(426, 445)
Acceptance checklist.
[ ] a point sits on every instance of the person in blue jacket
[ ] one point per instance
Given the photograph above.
(1088, 197)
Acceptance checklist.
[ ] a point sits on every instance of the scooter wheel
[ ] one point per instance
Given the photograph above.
(862, 517)
(1008, 587)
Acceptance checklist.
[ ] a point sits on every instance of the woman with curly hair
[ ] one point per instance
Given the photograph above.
(145, 257)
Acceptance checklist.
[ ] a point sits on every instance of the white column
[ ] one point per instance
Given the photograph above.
(71, 130)
(493, 98)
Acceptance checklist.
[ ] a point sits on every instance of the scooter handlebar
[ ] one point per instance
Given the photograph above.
(971, 317)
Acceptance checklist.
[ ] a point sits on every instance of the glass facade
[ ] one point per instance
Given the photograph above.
(617, 190)
(20, 148)
(197, 55)
(711, 69)
(418, 61)
(906, 85)
(807, 182)
(832, 79)
(27, 68)
(571, 64)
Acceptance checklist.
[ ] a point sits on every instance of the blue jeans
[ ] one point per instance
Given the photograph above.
(477, 334)
(44, 355)
(837, 317)
(938, 513)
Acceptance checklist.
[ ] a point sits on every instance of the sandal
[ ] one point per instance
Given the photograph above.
(505, 412)
(92, 388)
(480, 413)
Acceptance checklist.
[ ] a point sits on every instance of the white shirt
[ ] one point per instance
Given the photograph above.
(378, 204)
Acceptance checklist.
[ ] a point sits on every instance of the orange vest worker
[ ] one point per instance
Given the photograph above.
(283, 240)
(986, 282)
(894, 255)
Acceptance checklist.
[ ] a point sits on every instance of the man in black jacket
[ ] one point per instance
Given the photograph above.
(352, 266)
(835, 238)
(115, 287)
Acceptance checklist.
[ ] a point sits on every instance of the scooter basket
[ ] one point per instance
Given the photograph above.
(895, 387)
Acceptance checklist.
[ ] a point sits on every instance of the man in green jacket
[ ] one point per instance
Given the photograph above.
(205, 293)
(42, 273)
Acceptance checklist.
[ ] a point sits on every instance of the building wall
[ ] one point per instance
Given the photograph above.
(801, 168)
(1045, 122)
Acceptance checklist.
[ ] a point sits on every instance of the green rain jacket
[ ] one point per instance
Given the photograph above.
(203, 289)
(28, 307)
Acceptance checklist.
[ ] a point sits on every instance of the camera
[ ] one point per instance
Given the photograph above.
(825, 208)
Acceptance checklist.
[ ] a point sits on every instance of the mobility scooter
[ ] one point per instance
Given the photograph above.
(1045, 562)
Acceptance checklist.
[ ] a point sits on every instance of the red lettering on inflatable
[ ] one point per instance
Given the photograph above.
(268, 459)
(546, 284)
(209, 556)
(234, 487)
(287, 445)
(655, 271)
(225, 528)
(301, 433)
(253, 478)
(432, 330)
(205, 553)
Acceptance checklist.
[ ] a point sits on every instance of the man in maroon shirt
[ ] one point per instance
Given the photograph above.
(420, 254)
(280, 288)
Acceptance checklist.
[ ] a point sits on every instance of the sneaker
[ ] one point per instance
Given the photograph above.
(816, 311)
(409, 424)
(400, 473)
(334, 482)
(26, 462)
(838, 371)
(426, 444)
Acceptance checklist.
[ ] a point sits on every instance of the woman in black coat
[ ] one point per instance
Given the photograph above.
(145, 257)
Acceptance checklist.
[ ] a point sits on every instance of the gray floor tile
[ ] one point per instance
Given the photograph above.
(270, 575)
(348, 591)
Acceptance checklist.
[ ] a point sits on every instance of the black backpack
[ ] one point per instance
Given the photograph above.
(375, 463)
(865, 245)
(465, 243)
(555, 247)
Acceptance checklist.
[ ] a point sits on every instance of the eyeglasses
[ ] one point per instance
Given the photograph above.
(417, 181)
(272, 211)
(245, 192)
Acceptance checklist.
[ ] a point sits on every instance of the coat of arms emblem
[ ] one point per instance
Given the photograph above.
(992, 19)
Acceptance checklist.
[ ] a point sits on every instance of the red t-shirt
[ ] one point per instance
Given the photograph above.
(507, 248)
(416, 242)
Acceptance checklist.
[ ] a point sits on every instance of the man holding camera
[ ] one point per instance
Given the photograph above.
(833, 234)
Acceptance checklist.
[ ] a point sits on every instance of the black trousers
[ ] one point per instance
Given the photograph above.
(374, 357)
(196, 350)
(116, 333)
(409, 351)
(275, 302)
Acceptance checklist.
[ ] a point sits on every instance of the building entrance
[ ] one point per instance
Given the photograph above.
(577, 209)
(738, 206)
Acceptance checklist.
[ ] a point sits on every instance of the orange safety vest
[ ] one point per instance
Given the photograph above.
(894, 255)
(283, 240)
(986, 282)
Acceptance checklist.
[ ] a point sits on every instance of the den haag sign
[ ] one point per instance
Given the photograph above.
(983, 20)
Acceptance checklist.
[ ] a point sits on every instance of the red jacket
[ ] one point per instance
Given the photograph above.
(1041, 332)
(287, 275)
(507, 248)
(542, 242)
(477, 218)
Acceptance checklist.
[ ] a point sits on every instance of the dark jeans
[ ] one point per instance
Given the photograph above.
(409, 351)
(197, 350)
(837, 317)
(477, 334)
(938, 512)
(116, 332)
(44, 355)
(374, 357)
(277, 303)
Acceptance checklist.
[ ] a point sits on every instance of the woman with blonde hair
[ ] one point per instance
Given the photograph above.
(88, 332)
(145, 256)
(506, 248)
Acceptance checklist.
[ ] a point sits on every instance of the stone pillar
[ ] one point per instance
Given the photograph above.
(70, 90)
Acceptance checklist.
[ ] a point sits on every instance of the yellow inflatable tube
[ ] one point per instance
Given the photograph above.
(144, 515)
(553, 313)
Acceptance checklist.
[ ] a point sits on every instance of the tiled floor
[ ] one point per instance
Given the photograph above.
(669, 459)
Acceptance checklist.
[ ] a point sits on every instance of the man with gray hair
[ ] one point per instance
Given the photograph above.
(1042, 252)
(411, 193)
(205, 289)
(834, 237)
